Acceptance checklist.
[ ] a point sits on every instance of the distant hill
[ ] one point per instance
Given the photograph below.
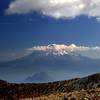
(41, 77)
(12, 90)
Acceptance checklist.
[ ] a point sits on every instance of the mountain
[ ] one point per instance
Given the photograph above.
(41, 77)
(59, 66)
(27, 90)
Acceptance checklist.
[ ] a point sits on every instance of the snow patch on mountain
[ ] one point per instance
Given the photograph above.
(62, 49)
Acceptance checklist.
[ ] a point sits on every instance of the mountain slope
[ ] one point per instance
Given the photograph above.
(57, 66)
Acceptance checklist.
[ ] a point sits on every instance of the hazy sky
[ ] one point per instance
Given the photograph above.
(28, 23)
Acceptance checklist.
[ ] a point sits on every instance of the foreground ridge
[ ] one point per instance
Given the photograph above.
(15, 91)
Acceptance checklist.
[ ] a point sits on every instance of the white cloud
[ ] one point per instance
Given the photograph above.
(56, 8)
(62, 49)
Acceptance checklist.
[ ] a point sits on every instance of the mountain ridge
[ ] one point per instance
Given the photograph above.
(26, 90)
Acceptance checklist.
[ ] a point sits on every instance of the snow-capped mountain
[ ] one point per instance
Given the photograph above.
(58, 49)
(62, 49)
(59, 61)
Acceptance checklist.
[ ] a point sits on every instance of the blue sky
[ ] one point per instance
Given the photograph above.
(22, 30)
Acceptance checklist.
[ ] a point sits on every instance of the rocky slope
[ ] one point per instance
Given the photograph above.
(12, 90)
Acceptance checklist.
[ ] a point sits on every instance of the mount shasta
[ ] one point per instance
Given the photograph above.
(59, 61)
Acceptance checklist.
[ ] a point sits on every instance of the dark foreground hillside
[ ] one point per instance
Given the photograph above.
(12, 91)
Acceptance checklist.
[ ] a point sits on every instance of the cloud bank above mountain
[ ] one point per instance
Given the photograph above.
(56, 8)
(62, 49)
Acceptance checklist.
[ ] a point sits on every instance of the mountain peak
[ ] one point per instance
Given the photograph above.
(56, 49)
(72, 45)
(63, 49)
